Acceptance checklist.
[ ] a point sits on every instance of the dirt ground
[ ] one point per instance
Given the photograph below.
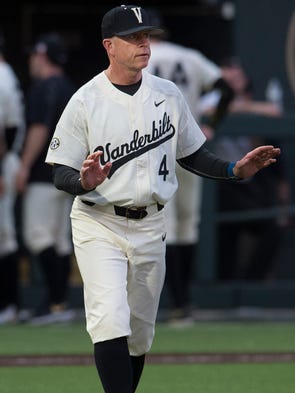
(201, 358)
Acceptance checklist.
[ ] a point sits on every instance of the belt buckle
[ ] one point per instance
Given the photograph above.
(136, 212)
(142, 213)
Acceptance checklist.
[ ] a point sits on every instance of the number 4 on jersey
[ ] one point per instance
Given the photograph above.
(163, 171)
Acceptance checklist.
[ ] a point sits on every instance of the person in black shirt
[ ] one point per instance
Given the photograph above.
(46, 226)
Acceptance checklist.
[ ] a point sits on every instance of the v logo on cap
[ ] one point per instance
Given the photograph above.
(137, 13)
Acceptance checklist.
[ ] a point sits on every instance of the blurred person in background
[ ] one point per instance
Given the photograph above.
(46, 223)
(11, 138)
(193, 73)
(247, 249)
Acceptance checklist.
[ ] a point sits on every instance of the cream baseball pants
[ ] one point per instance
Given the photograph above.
(122, 265)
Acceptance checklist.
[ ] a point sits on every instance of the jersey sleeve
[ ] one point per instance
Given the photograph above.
(190, 136)
(69, 144)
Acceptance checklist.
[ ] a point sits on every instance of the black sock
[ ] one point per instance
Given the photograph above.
(9, 280)
(186, 263)
(113, 365)
(137, 363)
(48, 260)
(172, 275)
(179, 269)
(64, 276)
(56, 270)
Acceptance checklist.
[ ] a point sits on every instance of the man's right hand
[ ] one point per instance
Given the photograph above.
(92, 172)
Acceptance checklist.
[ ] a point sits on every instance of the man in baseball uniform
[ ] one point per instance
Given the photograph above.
(115, 148)
(193, 73)
(11, 137)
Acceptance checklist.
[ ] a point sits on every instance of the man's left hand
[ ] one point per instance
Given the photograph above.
(256, 159)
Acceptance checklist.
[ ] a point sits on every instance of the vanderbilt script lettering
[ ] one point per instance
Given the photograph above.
(120, 155)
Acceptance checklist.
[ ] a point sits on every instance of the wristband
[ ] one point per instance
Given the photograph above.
(230, 171)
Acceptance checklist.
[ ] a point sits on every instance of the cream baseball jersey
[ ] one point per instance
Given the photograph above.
(141, 135)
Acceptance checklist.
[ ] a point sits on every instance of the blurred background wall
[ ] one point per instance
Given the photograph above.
(258, 32)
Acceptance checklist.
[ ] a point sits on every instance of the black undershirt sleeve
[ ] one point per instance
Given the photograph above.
(226, 96)
(207, 164)
(67, 179)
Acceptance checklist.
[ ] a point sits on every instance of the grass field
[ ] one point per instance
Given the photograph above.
(236, 378)
(205, 337)
(202, 337)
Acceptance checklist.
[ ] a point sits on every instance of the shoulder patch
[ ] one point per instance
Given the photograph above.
(54, 144)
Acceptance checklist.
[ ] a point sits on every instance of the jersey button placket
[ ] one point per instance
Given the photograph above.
(141, 161)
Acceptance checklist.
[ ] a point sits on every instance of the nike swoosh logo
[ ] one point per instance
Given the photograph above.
(158, 103)
(164, 237)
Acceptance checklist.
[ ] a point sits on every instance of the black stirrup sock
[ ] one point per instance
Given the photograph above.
(113, 365)
(137, 363)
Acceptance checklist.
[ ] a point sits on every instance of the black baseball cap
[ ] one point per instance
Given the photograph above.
(127, 19)
(53, 46)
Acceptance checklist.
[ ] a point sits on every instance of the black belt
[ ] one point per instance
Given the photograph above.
(135, 213)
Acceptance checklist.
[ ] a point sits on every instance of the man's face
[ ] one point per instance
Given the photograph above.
(35, 63)
(131, 51)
